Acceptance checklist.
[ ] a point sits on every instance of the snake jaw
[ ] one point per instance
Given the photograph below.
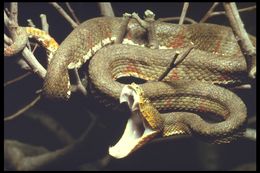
(138, 131)
(136, 134)
(131, 97)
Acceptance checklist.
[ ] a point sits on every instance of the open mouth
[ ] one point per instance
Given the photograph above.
(137, 131)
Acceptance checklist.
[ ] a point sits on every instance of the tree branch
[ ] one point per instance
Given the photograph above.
(23, 65)
(15, 151)
(36, 67)
(183, 13)
(30, 23)
(52, 125)
(244, 86)
(76, 83)
(64, 14)
(148, 24)
(45, 25)
(251, 120)
(123, 28)
(17, 79)
(250, 134)
(240, 33)
(19, 37)
(217, 13)
(19, 159)
(14, 12)
(7, 40)
(209, 13)
(72, 13)
(168, 19)
(106, 9)
(22, 110)
(175, 62)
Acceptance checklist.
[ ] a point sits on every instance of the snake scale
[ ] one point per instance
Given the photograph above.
(20, 41)
(186, 90)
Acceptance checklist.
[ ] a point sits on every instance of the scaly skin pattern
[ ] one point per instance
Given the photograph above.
(184, 94)
(94, 34)
(18, 44)
(216, 59)
(84, 41)
(44, 38)
(23, 33)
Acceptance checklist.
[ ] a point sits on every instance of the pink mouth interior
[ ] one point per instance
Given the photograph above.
(137, 131)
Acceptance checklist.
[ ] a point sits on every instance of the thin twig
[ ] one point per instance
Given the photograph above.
(209, 13)
(240, 33)
(25, 108)
(106, 9)
(30, 59)
(169, 67)
(14, 12)
(99, 165)
(64, 14)
(17, 79)
(244, 86)
(251, 120)
(217, 13)
(175, 62)
(10, 22)
(36, 45)
(45, 159)
(45, 25)
(148, 24)
(8, 40)
(141, 22)
(52, 125)
(30, 23)
(23, 65)
(247, 9)
(105, 161)
(36, 67)
(29, 45)
(7, 11)
(15, 151)
(72, 13)
(250, 134)
(169, 19)
(123, 28)
(78, 86)
(19, 37)
(183, 13)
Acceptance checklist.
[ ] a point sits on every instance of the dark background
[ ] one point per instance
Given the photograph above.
(179, 154)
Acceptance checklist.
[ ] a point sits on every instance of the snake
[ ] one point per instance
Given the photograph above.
(187, 95)
(21, 39)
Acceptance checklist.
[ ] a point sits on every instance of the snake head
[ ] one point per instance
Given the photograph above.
(142, 126)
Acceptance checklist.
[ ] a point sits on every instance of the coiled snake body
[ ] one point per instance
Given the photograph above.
(217, 59)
